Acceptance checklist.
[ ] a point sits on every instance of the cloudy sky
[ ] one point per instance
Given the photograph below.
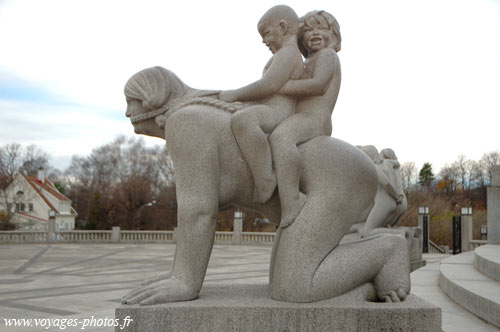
(422, 77)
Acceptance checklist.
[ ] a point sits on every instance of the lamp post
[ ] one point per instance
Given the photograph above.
(423, 222)
(466, 228)
(484, 232)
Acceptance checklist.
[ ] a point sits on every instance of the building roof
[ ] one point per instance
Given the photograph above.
(47, 186)
(29, 216)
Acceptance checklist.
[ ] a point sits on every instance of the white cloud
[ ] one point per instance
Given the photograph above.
(419, 76)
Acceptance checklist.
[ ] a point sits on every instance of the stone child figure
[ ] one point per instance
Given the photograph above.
(319, 41)
(278, 28)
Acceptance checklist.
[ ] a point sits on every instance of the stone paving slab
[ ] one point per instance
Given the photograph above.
(78, 281)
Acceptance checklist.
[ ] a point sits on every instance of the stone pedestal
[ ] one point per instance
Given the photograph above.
(247, 308)
(237, 227)
(115, 234)
(466, 231)
(51, 230)
(494, 207)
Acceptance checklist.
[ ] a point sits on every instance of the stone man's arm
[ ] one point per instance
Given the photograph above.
(272, 81)
(324, 69)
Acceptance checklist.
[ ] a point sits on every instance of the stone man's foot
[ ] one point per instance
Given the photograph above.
(164, 291)
(393, 281)
(289, 214)
(264, 189)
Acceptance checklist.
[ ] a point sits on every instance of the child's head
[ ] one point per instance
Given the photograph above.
(326, 24)
(277, 24)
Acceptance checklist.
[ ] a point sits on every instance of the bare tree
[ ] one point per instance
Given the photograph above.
(489, 160)
(14, 159)
(124, 183)
(464, 168)
(408, 173)
(478, 176)
(448, 178)
(10, 162)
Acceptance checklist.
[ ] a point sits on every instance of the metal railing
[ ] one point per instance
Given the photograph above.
(435, 249)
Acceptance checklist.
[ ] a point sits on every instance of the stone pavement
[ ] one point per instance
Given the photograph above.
(85, 281)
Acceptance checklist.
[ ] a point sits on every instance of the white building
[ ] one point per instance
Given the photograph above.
(31, 198)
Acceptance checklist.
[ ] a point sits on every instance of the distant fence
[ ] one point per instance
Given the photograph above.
(473, 244)
(122, 236)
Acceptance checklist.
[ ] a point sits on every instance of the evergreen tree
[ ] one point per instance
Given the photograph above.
(426, 176)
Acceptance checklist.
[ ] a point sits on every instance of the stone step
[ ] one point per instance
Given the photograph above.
(487, 260)
(471, 289)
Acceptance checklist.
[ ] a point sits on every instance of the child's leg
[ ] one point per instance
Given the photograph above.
(295, 130)
(250, 126)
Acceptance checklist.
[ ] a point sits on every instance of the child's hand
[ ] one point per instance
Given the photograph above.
(228, 96)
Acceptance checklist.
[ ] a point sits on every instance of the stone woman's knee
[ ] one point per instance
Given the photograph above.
(193, 212)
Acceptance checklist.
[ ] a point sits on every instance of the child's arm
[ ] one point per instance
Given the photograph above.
(324, 69)
(283, 64)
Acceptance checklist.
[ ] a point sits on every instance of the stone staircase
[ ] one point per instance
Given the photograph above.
(472, 280)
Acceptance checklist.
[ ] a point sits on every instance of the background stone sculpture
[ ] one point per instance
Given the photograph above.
(390, 202)
(307, 263)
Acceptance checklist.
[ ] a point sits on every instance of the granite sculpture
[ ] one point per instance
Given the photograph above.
(337, 182)
(390, 202)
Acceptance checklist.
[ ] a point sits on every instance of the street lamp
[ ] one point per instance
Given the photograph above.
(423, 223)
(466, 211)
(423, 210)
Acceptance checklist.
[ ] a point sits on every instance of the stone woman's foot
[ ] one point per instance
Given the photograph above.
(164, 291)
(263, 190)
(393, 296)
(159, 277)
(291, 213)
(392, 283)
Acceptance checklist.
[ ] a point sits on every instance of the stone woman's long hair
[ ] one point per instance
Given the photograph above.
(154, 86)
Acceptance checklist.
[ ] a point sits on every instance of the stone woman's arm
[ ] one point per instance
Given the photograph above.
(384, 182)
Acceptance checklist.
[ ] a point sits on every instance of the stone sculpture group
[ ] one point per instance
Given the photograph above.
(234, 147)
